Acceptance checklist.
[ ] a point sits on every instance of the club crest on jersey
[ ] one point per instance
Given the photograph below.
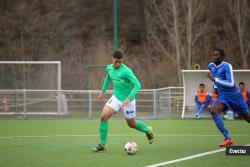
(220, 70)
(212, 69)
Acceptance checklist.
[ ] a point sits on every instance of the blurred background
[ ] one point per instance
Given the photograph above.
(159, 37)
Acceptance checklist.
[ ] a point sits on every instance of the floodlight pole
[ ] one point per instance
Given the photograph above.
(115, 26)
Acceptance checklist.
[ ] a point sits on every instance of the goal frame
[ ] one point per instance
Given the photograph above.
(59, 68)
(59, 74)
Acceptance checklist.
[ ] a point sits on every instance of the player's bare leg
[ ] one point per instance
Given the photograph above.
(215, 112)
(107, 113)
(141, 126)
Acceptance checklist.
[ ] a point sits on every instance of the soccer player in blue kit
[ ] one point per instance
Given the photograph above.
(228, 94)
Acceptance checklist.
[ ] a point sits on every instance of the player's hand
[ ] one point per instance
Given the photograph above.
(126, 102)
(100, 97)
(210, 76)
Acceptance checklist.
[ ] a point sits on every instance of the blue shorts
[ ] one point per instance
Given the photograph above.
(234, 101)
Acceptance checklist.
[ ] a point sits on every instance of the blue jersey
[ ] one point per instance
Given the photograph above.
(224, 80)
(228, 93)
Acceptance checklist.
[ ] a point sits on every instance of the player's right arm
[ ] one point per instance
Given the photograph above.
(104, 85)
(210, 68)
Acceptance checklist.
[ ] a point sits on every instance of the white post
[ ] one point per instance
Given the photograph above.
(59, 76)
(90, 105)
(184, 101)
(169, 100)
(59, 88)
(154, 116)
(24, 103)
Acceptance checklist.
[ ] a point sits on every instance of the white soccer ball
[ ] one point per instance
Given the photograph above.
(131, 148)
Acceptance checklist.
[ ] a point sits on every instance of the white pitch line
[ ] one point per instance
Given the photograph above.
(118, 135)
(188, 158)
(185, 158)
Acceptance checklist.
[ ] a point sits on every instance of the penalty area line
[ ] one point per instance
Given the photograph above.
(188, 157)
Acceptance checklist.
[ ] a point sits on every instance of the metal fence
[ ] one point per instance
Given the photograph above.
(83, 104)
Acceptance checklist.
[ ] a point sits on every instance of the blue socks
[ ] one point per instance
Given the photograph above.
(220, 125)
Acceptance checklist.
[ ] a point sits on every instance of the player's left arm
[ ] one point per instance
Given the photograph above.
(229, 81)
(136, 87)
(136, 84)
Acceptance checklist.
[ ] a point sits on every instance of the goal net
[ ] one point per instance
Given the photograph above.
(16, 77)
(30, 75)
(191, 81)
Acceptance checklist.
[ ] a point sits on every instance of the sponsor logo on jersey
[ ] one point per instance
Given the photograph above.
(118, 81)
(129, 112)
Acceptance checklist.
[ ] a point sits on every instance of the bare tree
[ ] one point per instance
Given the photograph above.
(239, 10)
(197, 25)
(180, 25)
(167, 37)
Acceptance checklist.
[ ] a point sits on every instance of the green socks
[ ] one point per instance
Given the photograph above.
(103, 132)
(141, 126)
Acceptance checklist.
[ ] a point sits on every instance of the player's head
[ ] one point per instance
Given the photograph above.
(202, 87)
(218, 56)
(117, 59)
(242, 86)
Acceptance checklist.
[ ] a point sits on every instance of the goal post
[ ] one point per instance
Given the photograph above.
(191, 81)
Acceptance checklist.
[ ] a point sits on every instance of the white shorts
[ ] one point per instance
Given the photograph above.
(129, 111)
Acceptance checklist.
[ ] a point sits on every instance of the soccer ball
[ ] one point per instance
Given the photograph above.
(131, 148)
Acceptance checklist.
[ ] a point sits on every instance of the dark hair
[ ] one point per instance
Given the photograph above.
(219, 51)
(202, 84)
(118, 54)
(242, 83)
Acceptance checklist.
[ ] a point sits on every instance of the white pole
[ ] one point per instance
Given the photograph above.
(184, 101)
(59, 76)
(154, 116)
(59, 80)
(169, 101)
(24, 104)
(90, 105)
(29, 62)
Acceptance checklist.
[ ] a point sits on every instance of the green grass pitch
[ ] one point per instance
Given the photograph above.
(65, 143)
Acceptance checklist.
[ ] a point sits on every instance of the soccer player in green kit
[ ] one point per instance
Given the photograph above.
(126, 86)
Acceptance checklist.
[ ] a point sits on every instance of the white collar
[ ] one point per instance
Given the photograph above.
(219, 64)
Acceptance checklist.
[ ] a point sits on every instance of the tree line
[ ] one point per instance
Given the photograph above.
(159, 37)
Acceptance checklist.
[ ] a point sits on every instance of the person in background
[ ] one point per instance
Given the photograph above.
(212, 97)
(201, 100)
(245, 93)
